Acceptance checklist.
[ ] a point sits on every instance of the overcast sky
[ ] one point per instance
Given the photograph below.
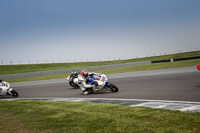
(68, 30)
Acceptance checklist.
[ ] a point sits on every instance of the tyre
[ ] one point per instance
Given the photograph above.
(14, 93)
(113, 87)
(72, 84)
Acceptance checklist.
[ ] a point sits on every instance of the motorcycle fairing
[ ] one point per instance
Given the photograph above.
(107, 84)
(91, 80)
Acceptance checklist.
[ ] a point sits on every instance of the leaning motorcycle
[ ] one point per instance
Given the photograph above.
(99, 80)
(5, 89)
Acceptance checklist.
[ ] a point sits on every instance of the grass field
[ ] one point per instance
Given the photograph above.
(14, 69)
(72, 117)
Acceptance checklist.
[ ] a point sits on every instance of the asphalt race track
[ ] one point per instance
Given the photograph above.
(176, 87)
(180, 86)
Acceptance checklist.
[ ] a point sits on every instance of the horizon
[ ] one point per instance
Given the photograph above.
(82, 61)
(65, 30)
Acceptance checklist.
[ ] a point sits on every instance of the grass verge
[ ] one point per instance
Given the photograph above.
(119, 70)
(14, 69)
(48, 116)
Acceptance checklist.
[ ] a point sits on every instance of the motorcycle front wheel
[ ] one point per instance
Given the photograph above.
(72, 84)
(113, 87)
(14, 93)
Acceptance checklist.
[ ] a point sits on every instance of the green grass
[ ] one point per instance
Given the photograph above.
(119, 70)
(14, 69)
(70, 117)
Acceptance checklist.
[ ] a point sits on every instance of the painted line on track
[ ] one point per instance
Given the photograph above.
(183, 106)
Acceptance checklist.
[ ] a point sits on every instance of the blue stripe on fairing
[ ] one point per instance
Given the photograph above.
(107, 84)
(91, 81)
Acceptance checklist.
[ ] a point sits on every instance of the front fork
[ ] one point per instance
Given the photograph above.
(107, 86)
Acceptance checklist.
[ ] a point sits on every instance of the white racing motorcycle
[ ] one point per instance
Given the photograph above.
(99, 79)
(6, 90)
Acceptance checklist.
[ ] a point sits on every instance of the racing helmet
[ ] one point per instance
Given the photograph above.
(84, 73)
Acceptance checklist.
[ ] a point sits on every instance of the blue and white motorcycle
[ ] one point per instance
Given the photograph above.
(98, 79)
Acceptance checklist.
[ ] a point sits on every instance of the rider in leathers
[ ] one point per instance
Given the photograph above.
(83, 81)
(4, 86)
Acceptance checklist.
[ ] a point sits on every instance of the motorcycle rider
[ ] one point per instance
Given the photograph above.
(3, 86)
(3, 83)
(83, 81)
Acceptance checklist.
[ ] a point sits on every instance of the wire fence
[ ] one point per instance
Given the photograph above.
(50, 61)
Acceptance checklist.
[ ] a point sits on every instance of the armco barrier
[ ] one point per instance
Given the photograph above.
(177, 59)
(187, 58)
(35, 74)
(160, 61)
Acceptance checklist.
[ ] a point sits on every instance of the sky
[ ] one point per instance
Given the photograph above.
(53, 31)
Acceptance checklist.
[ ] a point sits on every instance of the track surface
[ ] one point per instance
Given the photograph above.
(175, 87)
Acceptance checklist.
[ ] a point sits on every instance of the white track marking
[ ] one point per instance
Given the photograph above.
(184, 106)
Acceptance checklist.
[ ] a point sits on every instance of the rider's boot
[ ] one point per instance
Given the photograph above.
(85, 92)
